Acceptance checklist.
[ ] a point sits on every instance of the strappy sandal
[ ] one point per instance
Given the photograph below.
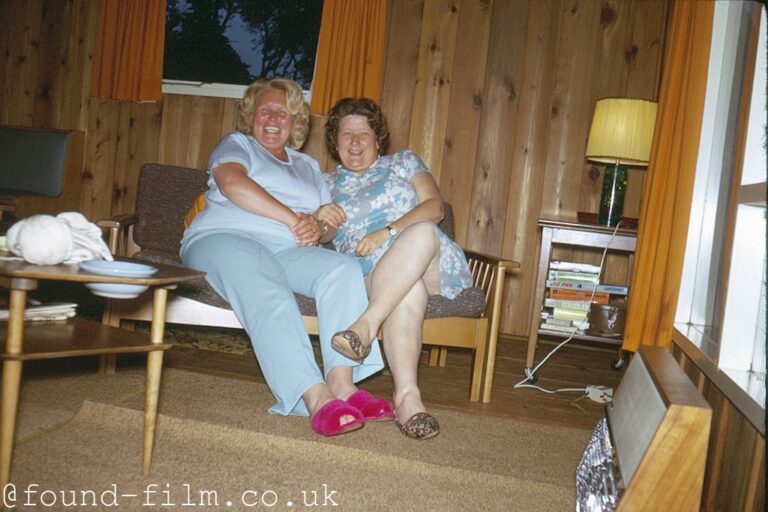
(420, 426)
(348, 343)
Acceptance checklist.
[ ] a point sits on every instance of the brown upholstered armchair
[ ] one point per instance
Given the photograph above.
(153, 233)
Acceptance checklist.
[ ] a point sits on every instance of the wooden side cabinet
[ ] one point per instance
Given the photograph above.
(576, 235)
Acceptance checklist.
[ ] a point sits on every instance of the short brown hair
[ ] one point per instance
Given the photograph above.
(356, 107)
(294, 101)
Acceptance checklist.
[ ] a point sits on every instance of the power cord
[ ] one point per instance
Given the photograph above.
(596, 393)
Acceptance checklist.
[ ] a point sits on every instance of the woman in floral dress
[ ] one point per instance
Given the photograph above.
(387, 210)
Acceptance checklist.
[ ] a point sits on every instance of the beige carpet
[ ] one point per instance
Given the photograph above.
(215, 441)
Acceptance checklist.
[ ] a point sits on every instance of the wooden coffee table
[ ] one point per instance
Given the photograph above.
(77, 337)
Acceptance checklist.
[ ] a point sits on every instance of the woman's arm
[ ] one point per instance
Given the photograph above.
(234, 183)
(430, 208)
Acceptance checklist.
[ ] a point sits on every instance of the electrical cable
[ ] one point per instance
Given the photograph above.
(529, 375)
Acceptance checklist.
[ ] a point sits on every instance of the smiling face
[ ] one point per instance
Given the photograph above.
(271, 124)
(356, 143)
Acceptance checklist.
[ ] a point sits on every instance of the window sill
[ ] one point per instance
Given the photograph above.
(210, 89)
(745, 390)
(203, 89)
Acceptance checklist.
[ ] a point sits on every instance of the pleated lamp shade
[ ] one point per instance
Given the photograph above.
(622, 131)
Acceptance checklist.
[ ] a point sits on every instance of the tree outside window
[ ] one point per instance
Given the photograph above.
(237, 41)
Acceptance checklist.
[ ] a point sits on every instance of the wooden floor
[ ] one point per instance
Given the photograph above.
(570, 367)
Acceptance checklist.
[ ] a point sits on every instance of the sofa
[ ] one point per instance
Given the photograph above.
(152, 234)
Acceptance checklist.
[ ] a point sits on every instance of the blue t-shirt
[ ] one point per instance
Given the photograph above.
(297, 183)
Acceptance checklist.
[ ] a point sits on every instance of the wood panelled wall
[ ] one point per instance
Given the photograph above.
(495, 95)
(734, 478)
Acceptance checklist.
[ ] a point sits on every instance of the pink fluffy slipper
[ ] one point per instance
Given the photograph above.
(373, 408)
(327, 420)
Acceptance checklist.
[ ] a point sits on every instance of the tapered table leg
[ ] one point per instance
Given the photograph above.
(11, 382)
(154, 371)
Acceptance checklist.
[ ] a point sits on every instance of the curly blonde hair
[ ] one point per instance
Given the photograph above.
(356, 107)
(294, 100)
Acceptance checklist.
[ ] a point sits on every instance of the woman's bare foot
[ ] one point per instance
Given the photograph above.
(355, 342)
(407, 404)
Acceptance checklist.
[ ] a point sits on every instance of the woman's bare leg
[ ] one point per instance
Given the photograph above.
(413, 256)
(339, 385)
(402, 344)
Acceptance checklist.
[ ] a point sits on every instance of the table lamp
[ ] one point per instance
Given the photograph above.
(620, 136)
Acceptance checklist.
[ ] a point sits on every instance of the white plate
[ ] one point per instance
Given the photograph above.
(116, 291)
(117, 268)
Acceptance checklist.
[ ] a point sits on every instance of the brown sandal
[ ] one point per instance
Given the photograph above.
(348, 343)
(421, 426)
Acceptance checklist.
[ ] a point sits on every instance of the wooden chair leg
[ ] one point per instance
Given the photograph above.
(434, 356)
(443, 357)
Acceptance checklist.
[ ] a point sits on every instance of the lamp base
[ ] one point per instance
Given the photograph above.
(612, 197)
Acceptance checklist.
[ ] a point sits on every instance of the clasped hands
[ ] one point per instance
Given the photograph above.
(310, 228)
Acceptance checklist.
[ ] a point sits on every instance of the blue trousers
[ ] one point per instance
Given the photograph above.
(258, 277)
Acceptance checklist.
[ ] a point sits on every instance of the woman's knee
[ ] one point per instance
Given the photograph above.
(422, 232)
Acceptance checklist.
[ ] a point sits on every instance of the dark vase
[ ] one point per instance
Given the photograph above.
(612, 197)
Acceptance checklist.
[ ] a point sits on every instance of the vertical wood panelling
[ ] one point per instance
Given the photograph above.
(100, 154)
(405, 19)
(53, 40)
(433, 81)
(77, 76)
(464, 110)
(492, 167)
(529, 148)
(22, 72)
(571, 107)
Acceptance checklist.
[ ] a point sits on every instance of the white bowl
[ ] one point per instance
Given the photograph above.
(117, 268)
(116, 291)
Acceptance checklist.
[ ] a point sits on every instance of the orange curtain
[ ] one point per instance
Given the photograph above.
(128, 58)
(350, 52)
(666, 203)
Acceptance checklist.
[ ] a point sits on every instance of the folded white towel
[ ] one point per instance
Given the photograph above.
(48, 240)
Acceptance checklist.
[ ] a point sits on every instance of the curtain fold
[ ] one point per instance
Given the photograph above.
(350, 52)
(128, 58)
(666, 206)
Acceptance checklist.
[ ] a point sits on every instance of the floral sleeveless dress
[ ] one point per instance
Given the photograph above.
(380, 195)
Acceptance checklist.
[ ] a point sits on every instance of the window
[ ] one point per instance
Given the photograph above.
(721, 306)
(218, 47)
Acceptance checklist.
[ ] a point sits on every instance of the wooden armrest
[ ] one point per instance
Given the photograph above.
(120, 233)
(490, 259)
(118, 221)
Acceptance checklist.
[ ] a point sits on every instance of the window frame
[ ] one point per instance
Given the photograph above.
(706, 329)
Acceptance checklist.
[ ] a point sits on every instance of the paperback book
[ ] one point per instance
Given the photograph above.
(607, 288)
(575, 277)
(576, 267)
(579, 295)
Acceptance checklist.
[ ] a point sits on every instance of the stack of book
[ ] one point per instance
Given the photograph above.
(572, 287)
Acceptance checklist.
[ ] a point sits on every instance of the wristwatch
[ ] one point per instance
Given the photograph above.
(392, 230)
